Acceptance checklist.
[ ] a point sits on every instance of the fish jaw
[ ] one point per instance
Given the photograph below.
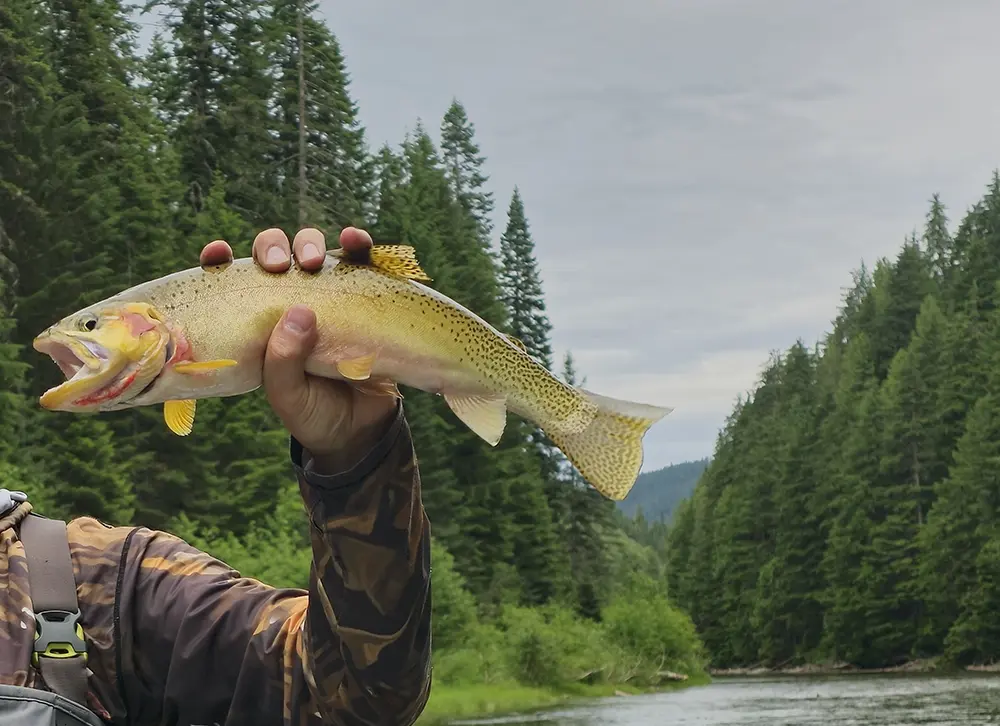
(105, 365)
(87, 366)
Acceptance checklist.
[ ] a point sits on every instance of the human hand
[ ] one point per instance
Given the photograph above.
(334, 421)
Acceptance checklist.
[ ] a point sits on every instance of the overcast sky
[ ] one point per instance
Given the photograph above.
(700, 176)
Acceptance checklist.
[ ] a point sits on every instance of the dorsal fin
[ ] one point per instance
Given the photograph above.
(397, 260)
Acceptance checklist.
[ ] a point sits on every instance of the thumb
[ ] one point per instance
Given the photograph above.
(284, 361)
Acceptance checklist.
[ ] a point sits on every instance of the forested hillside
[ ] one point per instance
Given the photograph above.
(656, 494)
(851, 512)
(116, 167)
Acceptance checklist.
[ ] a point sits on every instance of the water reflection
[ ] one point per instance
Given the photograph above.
(883, 700)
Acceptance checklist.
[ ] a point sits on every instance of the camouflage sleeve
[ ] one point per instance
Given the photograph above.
(201, 645)
(368, 625)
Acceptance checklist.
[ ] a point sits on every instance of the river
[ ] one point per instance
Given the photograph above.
(855, 700)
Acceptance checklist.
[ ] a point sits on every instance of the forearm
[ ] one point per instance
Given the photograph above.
(368, 626)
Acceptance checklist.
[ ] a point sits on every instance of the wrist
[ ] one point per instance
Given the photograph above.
(344, 452)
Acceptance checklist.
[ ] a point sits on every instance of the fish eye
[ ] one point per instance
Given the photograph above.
(87, 322)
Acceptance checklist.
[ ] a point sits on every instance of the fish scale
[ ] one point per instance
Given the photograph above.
(378, 326)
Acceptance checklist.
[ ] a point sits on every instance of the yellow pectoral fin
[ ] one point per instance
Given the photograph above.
(179, 416)
(206, 366)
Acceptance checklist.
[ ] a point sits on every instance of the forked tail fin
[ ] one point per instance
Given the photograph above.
(608, 453)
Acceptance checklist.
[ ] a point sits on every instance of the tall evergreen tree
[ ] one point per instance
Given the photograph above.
(321, 149)
(214, 86)
(464, 169)
(521, 284)
(938, 242)
(788, 611)
(12, 369)
(468, 243)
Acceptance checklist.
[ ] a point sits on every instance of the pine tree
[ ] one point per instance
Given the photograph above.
(977, 246)
(468, 242)
(214, 88)
(12, 370)
(788, 612)
(938, 242)
(846, 609)
(899, 292)
(975, 637)
(521, 285)
(327, 175)
(960, 524)
(464, 169)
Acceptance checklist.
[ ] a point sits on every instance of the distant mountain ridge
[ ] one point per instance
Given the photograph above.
(659, 492)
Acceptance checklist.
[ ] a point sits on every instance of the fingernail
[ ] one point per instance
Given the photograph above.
(275, 256)
(297, 320)
(310, 250)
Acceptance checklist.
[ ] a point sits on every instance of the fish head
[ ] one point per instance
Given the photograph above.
(109, 353)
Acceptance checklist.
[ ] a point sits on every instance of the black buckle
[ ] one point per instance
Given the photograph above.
(58, 634)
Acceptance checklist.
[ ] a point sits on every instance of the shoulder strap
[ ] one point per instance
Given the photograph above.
(60, 649)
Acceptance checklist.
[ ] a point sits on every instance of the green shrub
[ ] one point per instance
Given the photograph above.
(453, 606)
(551, 645)
(654, 634)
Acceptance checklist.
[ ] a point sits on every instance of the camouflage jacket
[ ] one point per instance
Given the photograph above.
(177, 637)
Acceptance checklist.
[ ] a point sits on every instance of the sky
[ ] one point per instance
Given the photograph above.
(700, 176)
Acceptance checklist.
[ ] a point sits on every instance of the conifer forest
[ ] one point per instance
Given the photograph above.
(850, 513)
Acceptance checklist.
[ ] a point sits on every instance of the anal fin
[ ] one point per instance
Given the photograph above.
(179, 416)
(485, 415)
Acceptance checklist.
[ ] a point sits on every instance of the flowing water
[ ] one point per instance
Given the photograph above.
(856, 700)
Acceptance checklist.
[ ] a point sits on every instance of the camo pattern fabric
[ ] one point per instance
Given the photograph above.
(177, 637)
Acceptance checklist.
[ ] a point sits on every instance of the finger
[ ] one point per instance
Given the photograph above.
(309, 248)
(353, 239)
(272, 251)
(216, 252)
(284, 361)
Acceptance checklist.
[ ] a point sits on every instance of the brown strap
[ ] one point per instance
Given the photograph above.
(50, 569)
(53, 598)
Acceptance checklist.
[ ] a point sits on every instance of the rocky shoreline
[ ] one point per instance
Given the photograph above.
(823, 669)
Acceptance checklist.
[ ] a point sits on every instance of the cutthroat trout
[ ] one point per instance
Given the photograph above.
(202, 333)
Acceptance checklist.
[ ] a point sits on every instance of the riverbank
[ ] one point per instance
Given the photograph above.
(448, 703)
(930, 665)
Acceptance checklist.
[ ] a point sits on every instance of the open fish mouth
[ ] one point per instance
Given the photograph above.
(86, 365)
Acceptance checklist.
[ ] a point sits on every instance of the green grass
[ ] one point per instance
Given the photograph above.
(483, 700)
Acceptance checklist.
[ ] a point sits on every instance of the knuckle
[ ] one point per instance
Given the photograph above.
(284, 348)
